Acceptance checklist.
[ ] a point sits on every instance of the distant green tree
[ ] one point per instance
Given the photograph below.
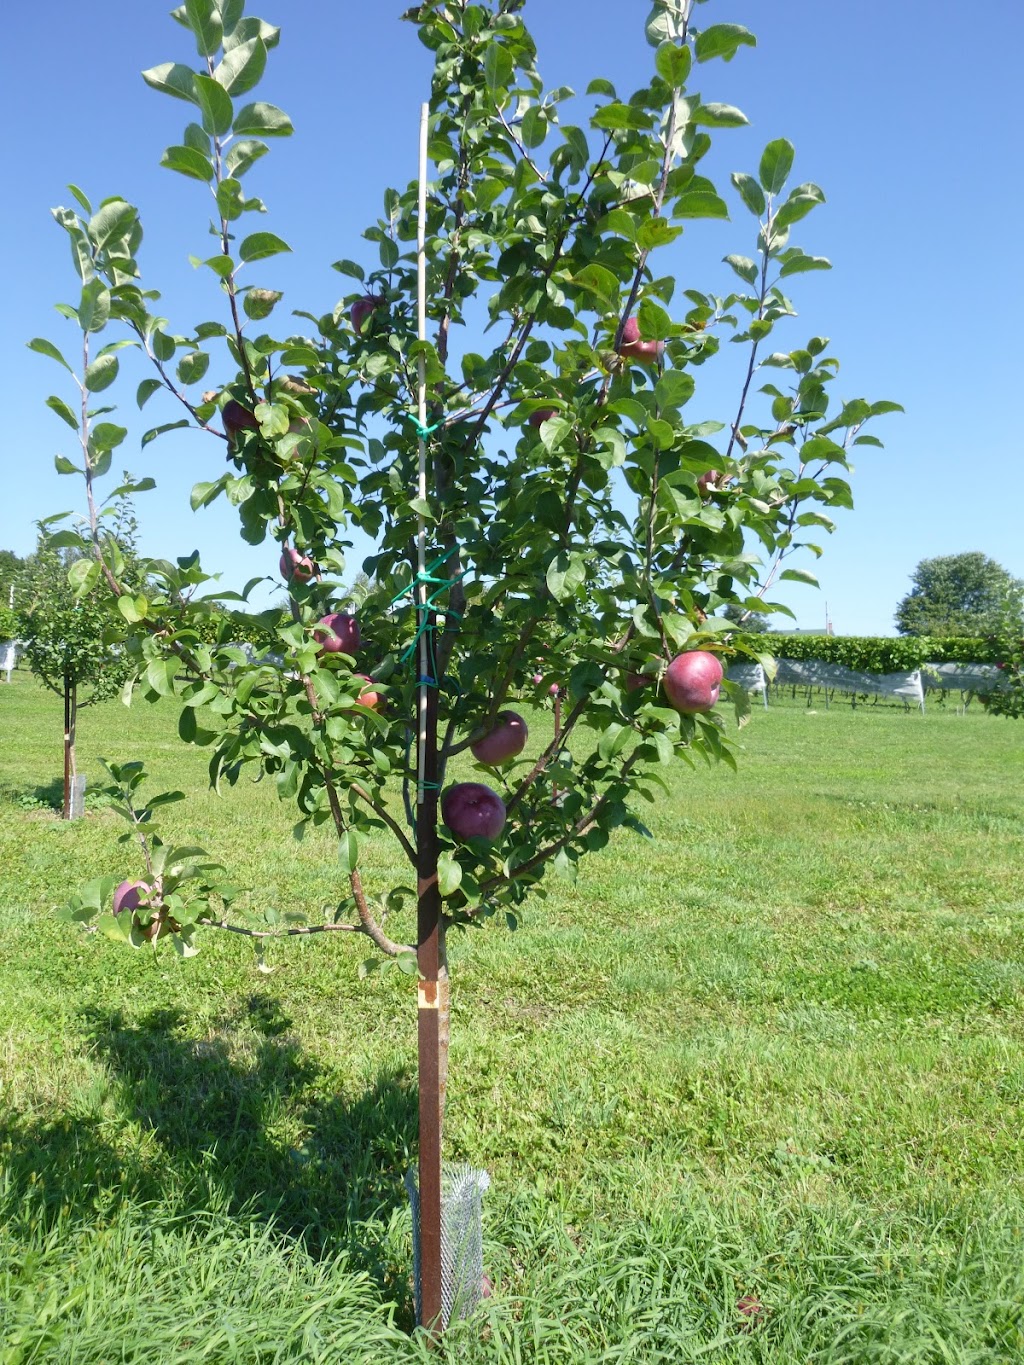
(64, 636)
(956, 595)
(753, 622)
(11, 568)
(1009, 700)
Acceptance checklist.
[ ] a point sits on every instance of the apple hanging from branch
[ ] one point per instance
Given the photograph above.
(472, 810)
(633, 347)
(693, 681)
(507, 739)
(338, 633)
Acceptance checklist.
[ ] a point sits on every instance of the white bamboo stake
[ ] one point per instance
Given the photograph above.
(421, 533)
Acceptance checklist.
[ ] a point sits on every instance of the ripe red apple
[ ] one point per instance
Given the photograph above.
(237, 418)
(486, 1286)
(538, 678)
(338, 633)
(473, 811)
(693, 681)
(296, 567)
(538, 418)
(554, 689)
(368, 697)
(633, 348)
(129, 895)
(363, 309)
(504, 741)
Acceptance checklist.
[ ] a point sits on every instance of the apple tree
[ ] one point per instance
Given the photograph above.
(581, 521)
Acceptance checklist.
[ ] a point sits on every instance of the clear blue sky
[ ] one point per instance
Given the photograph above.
(907, 115)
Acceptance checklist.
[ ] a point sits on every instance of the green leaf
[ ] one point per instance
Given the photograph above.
(701, 204)
(750, 192)
(241, 155)
(242, 67)
(111, 223)
(94, 306)
(163, 345)
(743, 266)
(498, 69)
(534, 127)
(674, 388)
(101, 373)
(160, 675)
(45, 347)
(173, 79)
(351, 268)
(799, 265)
(64, 466)
(84, 575)
(655, 323)
(599, 281)
(193, 366)
(266, 120)
(188, 161)
(797, 206)
(107, 436)
(62, 410)
(258, 245)
(718, 116)
(799, 576)
(723, 40)
(672, 61)
(216, 105)
(613, 741)
(776, 164)
(154, 432)
(449, 874)
(205, 22)
(656, 232)
(566, 573)
(146, 390)
(348, 850)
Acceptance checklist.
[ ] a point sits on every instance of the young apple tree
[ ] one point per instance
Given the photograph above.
(581, 521)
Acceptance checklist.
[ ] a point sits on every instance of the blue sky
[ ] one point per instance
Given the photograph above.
(907, 116)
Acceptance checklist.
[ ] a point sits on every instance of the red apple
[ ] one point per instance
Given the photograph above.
(693, 681)
(368, 697)
(486, 1286)
(504, 741)
(296, 567)
(538, 678)
(634, 681)
(338, 633)
(473, 811)
(633, 348)
(554, 689)
(362, 310)
(538, 418)
(237, 418)
(129, 895)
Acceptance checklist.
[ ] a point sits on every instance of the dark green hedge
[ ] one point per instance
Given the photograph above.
(876, 654)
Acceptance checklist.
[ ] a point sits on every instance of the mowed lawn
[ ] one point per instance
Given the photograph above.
(769, 1061)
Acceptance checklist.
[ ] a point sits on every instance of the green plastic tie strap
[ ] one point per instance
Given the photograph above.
(424, 433)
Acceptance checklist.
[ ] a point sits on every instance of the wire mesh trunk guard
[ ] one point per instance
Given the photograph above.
(462, 1252)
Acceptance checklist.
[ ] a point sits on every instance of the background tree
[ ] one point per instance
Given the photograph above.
(64, 631)
(1009, 641)
(955, 595)
(752, 622)
(545, 513)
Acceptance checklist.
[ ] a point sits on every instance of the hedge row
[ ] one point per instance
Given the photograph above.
(877, 654)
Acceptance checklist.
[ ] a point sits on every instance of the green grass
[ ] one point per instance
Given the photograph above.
(777, 1051)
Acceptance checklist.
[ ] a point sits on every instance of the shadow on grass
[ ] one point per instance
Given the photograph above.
(241, 1123)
